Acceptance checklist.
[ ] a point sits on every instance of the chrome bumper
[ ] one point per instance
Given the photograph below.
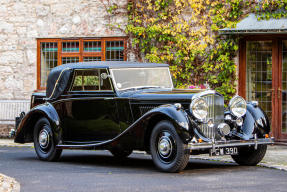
(231, 143)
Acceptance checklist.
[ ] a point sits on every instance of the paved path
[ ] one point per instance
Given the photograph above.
(99, 171)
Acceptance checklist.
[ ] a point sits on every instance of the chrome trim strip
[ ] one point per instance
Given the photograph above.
(232, 143)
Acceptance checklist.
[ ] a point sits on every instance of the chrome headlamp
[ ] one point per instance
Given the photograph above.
(199, 108)
(237, 106)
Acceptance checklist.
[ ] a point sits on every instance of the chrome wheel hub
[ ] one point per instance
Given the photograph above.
(164, 146)
(44, 139)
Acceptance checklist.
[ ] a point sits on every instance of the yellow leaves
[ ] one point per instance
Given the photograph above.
(150, 5)
(186, 58)
(151, 20)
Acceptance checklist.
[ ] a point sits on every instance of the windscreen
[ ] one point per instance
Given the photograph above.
(127, 78)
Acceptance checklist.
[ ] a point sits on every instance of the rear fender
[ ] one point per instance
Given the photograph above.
(24, 132)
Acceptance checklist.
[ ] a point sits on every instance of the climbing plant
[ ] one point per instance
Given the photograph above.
(185, 34)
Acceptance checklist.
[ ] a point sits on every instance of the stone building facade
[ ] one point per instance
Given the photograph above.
(23, 23)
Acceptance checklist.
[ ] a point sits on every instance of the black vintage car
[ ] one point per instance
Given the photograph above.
(126, 106)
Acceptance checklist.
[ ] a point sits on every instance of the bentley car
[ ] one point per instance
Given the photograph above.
(125, 106)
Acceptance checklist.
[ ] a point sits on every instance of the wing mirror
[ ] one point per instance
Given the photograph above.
(105, 76)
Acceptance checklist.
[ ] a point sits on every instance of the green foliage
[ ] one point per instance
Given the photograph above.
(185, 34)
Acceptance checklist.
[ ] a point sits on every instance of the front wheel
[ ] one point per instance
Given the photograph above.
(44, 144)
(168, 152)
(249, 155)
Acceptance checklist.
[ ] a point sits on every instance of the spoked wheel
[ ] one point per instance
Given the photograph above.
(168, 151)
(43, 141)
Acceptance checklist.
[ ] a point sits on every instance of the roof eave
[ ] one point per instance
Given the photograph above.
(242, 32)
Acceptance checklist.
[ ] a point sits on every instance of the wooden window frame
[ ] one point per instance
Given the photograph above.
(81, 54)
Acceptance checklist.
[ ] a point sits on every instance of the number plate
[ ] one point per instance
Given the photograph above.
(224, 151)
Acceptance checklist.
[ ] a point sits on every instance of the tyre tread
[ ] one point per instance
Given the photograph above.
(250, 156)
(183, 157)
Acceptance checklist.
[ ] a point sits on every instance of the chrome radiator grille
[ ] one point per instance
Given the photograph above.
(215, 104)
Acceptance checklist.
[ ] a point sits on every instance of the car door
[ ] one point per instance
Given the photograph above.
(91, 112)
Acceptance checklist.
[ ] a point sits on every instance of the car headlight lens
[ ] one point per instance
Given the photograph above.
(199, 108)
(237, 106)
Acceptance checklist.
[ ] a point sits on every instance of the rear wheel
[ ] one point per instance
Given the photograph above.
(249, 155)
(44, 144)
(168, 152)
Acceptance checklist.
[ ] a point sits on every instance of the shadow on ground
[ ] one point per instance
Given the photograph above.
(137, 161)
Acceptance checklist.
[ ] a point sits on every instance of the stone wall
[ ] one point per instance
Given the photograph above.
(23, 21)
(5, 129)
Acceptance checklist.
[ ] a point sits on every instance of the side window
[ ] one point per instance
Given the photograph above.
(91, 80)
(86, 80)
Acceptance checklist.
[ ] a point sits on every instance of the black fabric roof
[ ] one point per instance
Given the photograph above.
(107, 64)
(62, 73)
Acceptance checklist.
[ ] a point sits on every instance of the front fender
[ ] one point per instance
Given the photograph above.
(24, 132)
(177, 116)
(255, 121)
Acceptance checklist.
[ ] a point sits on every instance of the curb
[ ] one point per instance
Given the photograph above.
(17, 145)
(8, 184)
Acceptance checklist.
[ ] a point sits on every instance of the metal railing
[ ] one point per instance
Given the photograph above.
(9, 109)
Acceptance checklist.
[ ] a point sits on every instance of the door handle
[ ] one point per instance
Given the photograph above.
(279, 92)
(272, 94)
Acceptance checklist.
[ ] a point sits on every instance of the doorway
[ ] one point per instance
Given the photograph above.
(263, 77)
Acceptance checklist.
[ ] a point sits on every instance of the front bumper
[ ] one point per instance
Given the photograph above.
(231, 143)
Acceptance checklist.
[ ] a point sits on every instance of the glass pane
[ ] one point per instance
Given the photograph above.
(114, 50)
(70, 47)
(86, 59)
(66, 60)
(259, 74)
(49, 60)
(86, 80)
(127, 78)
(284, 87)
(92, 46)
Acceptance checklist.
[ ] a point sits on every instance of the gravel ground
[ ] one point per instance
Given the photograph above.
(8, 184)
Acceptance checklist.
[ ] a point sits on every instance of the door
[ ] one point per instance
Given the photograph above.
(263, 77)
(259, 75)
(282, 91)
(91, 111)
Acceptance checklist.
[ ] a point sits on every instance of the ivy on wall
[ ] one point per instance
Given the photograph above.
(185, 34)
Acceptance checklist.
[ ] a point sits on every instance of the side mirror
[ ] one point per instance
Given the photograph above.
(104, 76)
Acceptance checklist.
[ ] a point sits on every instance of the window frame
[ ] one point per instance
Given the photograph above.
(71, 91)
(81, 54)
